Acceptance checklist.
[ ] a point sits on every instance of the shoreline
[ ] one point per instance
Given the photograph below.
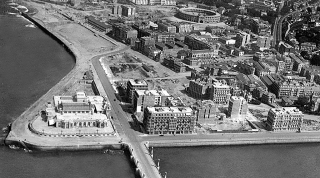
(19, 127)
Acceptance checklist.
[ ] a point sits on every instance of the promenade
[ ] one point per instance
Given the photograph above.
(232, 139)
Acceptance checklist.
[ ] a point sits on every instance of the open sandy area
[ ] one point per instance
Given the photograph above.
(85, 38)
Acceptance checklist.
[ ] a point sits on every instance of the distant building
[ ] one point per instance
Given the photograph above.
(128, 10)
(220, 93)
(308, 46)
(117, 10)
(140, 2)
(264, 42)
(268, 98)
(215, 30)
(167, 27)
(198, 15)
(199, 89)
(133, 85)
(148, 98)
(238, 108)
(285, 48)
(125, 33)
(101, 26)
(182, 27)
(169, 120)
(242, 39)
(227, 41)
(284, 119)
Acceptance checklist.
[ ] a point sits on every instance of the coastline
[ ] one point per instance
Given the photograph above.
(19, 127)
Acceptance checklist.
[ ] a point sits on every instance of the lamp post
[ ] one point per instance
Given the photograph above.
(43, 131)
(151, 152)
(158, 166)
(61, 132)
(97, 131)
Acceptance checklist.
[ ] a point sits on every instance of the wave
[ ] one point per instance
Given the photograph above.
(11, 13)
(31, 25)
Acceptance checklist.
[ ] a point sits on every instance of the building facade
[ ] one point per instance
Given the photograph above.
(238, 108)
(284, 119)
(198, 15)
(169, 120)
(133, 85)
(220, 93)
(148, 98)
(78, 111)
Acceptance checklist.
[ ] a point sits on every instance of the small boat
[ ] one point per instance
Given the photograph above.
(31, 25)
(14, 147)
(5, 129)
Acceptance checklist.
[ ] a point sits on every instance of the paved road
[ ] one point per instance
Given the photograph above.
(278, 24)
(125, 131)
(262, 137)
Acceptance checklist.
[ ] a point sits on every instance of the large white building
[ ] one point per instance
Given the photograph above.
(148, 98)
(220, 93)
(78, 111)
(155, 2)
(169, 120)
(264, 42)
(285, 119)
(238, 108)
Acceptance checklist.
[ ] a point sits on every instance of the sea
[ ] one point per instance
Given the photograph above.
(31, 63)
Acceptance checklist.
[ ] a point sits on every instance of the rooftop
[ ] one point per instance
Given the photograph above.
(137, 82)
(153, 92)
(286, 110)
(186, 110)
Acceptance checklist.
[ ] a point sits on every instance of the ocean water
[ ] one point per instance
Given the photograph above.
(253, 161)
(30, 64)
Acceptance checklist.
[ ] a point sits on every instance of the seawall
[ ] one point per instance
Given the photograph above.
(46, 31)
(80, 147)
(229, 142)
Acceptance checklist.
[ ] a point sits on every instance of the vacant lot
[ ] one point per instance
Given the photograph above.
(85, 38)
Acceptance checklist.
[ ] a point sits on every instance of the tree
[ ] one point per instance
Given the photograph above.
(303, 101)
(315, 60)
(305, 55)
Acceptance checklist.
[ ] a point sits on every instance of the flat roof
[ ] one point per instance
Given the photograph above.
(153, 92)
(137, 82)
(186, 110)
(286, 110)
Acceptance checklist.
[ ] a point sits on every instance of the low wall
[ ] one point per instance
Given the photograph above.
(60, 41)
(232, 142)
(37, 147)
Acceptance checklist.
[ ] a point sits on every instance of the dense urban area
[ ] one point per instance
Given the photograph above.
(185, 67)
(206, 67)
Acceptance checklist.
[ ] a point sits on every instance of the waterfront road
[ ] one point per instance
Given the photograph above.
(129, 136)
(232, 138)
